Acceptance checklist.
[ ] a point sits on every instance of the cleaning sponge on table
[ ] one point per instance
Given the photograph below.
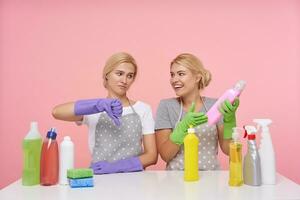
(81, 182)
(82, 177)
(80, 173)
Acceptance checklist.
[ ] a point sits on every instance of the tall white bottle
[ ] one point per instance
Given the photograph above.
(213, 114)
(266, 153)
(66, 159)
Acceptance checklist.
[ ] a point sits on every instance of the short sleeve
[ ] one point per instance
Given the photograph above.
(162, 120)
(84, 121)
(148, 121)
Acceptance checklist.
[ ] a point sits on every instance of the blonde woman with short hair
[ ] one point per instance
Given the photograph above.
(121, 130)
(174, 115)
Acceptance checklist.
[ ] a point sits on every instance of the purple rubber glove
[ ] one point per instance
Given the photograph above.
(132, 164)
(113, 107)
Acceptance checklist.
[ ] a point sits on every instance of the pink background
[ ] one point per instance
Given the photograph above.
(52, 52)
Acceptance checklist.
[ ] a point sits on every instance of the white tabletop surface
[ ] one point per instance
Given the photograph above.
(155, 185)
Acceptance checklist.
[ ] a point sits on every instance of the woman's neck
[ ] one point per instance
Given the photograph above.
(189, 99)
(124, 99)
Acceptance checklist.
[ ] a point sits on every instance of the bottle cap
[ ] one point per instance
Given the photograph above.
(51, 134)
(240, 85)
(236, 133)
(263, 123)
(191, 129)
(33, 125)
(33, 132)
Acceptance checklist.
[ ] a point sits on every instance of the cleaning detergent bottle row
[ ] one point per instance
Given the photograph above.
(235, 158)
(191, 142)
(213, 113)
(66, 159)
(266, 152)
(49, 159)
(252, 165)
(32, 144)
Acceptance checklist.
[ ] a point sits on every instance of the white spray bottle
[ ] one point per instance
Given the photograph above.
(266, 153)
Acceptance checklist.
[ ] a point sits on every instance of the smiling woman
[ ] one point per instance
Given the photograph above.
(121, 130)
(174, 115)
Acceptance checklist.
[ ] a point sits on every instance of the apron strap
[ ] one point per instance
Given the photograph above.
(131, 106)
(181, 108)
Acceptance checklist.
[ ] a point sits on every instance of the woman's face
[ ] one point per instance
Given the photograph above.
(183, 80)
(120, 79)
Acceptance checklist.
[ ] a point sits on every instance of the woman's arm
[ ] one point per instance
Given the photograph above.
(66, 112)
(166, 148)
(149, 157)
(224, 143)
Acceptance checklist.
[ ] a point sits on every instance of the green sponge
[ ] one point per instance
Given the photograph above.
(80, 173)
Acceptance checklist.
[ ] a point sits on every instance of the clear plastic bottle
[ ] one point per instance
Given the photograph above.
(213, 113)
(251, 168)
(235, 158)
(66, 159)
(32, 144)
(49, 159)
(191, 170)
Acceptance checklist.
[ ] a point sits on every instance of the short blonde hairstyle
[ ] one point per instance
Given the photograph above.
(115, 60)
(195, 65)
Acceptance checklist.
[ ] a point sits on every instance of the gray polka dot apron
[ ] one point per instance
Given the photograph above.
(113, 142)
(207, 149)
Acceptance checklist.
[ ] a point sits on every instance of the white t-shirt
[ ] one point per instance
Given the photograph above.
(141, 108)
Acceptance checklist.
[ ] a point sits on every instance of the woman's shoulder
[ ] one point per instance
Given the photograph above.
(169, 101)
(210, 101)
(142, 105)
(169, 104)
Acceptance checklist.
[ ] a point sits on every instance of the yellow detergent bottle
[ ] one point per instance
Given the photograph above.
(235, 159)
(191, 142)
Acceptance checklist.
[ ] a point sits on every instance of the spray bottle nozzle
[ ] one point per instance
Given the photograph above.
(263, 123)
(245, 132)
(250, 132)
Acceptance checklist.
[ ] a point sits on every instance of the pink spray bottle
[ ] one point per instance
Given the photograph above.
(213, 114)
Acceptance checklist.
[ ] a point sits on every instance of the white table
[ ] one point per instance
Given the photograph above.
(155, 185)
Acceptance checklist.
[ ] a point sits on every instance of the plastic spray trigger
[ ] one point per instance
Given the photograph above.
(250, 132)
(245, 133)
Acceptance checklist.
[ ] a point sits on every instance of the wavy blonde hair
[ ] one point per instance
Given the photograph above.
(195, 65)
(115, 60)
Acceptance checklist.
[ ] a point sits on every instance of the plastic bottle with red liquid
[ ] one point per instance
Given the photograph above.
(49, 159)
